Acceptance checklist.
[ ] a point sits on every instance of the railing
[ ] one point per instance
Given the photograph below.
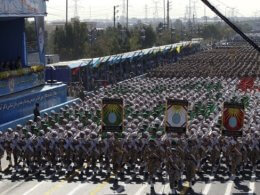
(20, 72)
(21, 79)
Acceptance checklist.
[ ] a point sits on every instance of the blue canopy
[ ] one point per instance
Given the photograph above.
(22, 8)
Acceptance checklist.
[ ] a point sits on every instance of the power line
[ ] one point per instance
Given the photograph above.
(163, 12)
(127, 6)
(146, 12)
(76, 9)
(115, 11)
(155, 14)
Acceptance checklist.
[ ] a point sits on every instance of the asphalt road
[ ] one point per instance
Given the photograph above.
(77, 184)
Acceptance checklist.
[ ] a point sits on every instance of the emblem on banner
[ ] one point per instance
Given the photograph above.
(112, 115)
(233, 119)
(176, 116)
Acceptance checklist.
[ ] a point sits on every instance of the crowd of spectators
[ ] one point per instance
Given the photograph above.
(11, 65)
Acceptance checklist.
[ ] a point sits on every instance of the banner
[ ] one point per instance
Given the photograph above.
(112, 115)
(39, 22)
(233, 119)
(22, 8)
(176, 116)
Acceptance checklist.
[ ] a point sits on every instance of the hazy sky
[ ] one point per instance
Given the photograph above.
(90, 9)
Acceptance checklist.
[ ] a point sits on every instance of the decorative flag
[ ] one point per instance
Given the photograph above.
(246, 83)
(178, 49)
(112, 115)
(176, 116)
(233, 119)
(75, 71)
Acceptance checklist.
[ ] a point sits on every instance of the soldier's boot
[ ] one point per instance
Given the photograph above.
(109, 171)
(146, 175)
(192, 181)
(152, 190)
(180, 182)
(141, 171)
(10, 162)
(173, 192)
(16, 168)
(115, 184)
(198, 165)
(232, 177)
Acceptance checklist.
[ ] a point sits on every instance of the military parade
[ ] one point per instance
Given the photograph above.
(74, 138)
(139, 107)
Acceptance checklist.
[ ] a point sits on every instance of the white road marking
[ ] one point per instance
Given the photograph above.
(13, 187)
(208, 185)
(36, 186)
(140, 191)
(229, 188)
(76, 189)
(165, 189)
(252, 184)
(19, 183)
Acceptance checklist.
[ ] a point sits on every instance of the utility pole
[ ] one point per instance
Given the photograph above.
(205, 15)
(76, 9)
(155, 14)
(114, 14)
(164, 13)
(168, 14)
(146, 12)
(127, 5)
(123, 16)
(66, 12)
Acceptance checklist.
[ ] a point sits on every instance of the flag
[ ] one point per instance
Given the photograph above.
(246, 83)
(112, 114)
(178, 49)
(233, 119)
(176, 116)
(75, 71)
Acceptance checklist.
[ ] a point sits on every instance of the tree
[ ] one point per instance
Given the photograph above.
(70, 40)
(211, 31)
(150, 37)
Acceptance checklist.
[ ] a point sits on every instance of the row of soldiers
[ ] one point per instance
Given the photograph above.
(132, 153)
(229, 62)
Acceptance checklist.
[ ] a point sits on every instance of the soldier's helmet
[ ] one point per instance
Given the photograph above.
(124, 134)
(93, 135)
(19, 127)
(9, 130)
(151, 142)
(54, 133)
(69, 133)
(29, 134)
(16, 135)
(41, 133)
(81, 134)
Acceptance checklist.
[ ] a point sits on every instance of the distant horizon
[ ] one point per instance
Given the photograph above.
(142, 19)
(103, 9)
